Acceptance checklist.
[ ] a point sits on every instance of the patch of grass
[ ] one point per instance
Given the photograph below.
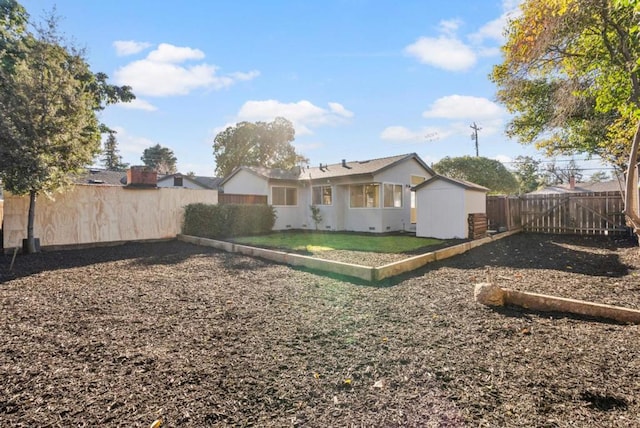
(314, 242)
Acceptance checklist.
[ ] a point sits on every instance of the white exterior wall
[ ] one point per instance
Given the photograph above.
(475, 202)
(441, 211)
(246, 183)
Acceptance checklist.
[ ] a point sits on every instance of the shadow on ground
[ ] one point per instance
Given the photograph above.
(591, 255)
(156, 253)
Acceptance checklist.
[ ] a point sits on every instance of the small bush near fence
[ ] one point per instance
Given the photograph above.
(223, 221)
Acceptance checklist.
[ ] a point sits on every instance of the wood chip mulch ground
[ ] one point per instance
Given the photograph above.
(123, 336)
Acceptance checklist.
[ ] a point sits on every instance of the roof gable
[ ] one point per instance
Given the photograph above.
(460, 183)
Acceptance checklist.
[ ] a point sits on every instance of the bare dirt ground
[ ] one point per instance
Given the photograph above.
(122, 336)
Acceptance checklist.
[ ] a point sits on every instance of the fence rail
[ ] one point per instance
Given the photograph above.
(230, 198)
(597, 213)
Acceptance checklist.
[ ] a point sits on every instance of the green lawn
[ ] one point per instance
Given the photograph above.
(314, 242)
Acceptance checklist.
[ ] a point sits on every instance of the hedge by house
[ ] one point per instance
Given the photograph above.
(227, 220)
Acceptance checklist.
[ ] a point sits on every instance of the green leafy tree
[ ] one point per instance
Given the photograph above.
(265, 144)
(486, 172)
(48, 103)
(160, 158)
(527, 172)
(111, 159)
(570, 77)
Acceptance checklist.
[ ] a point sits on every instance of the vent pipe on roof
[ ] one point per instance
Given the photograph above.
(344, 164)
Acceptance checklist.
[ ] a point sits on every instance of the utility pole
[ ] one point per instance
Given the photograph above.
(474, 136)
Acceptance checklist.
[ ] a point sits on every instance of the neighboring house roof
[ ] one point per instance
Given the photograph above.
(343, 169)
(101, 176)
(461, 183)
(603, 186)
(206, 182)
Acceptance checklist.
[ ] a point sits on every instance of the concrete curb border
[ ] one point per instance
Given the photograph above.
(367, 273)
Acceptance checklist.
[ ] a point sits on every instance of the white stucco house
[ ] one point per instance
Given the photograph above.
(361, 196)
(444, 204)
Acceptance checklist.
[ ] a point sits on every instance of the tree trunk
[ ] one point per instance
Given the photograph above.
(631, 189)
(31, 247)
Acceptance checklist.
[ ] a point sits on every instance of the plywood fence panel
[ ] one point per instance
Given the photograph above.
(88, 214)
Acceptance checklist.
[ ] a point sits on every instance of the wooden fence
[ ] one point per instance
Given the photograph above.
(597, 213)
(230, 198)
(93, 214)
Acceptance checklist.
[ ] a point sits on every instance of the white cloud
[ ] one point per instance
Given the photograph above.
(449, 26)
(303, 114)
(446, 52)
(162, 74)
(174, 54)
(406, 135)
(245, 76)
(463, 107)
(494, 30)
(129, 47)
(339, 109)
(138, 104)
(131, 146)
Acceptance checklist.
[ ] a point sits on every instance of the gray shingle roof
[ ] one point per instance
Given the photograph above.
(101, 176)
(603, 186)
(371, 167)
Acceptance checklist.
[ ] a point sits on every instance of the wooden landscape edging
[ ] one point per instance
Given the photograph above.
(367, 273)
(492, 295)
(412, 263)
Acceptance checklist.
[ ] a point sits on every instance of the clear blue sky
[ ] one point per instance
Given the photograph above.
(359, 79)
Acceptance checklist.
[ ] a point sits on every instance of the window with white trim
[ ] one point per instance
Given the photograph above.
(392, 195)
(364, 195)
(321, 195)
(284, 196)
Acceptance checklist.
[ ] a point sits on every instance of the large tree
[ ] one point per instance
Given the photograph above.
(111, 158)
(527, 172)
(570, 77)
(160, 158)
(486, 172)
(48, 103)
(265, 144)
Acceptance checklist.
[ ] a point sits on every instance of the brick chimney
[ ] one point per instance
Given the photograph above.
(142, 176)
(572, 182)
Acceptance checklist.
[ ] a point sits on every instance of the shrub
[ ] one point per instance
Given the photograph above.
(227, 220)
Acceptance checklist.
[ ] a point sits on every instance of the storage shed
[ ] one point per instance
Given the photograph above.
(443, 206)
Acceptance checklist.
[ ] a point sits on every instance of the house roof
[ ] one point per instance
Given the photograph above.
(371, 166)
(603, 186)
(101, 176)
(461, 183)
(206, 182)
(342, 169)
